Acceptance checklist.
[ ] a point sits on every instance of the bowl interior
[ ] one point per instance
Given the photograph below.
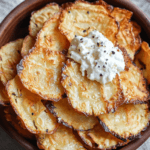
(15, 26)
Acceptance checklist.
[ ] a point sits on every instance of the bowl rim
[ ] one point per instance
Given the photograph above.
(15, 13)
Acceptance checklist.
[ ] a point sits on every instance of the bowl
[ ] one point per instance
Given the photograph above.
(15, 26)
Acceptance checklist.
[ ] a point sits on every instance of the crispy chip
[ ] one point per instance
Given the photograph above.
(133, 84)
(69, 117)
(63, 138)
(4, 100)
(88, 96)
(120, 14)
(142, 60)
(29, 107)
(99, 138)
(80, 21)
(39, 17)
(97, 6)
(125, 37)
(50, 37)
(9, 58)
(127, 122)
(40, 71)
(28, 43)
(17, 123)
(128, 37)
(135, 28)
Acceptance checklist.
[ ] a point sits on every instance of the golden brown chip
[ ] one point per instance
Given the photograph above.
(17, 123)
(69, 117)
(29, 107)
(97, 6)
(63, 138)
(4, 100)
(28, 43)
(99, 138)
(50, 37)
(142, 60)
(120, 14)
(135, 28)
(125, 37)
(39, 17)
(89, 96)
(77, 20)
(40, 71)
(128, 37)
(133, 84)
(127, 122)
(9, 58)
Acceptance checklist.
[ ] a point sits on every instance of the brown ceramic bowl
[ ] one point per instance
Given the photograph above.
(15, 26)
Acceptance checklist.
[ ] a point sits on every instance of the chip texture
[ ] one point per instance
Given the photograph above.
(127, 122)
(120, 14)
(63, 138)
(40, 71)
(17, 123)
(142, 60)
(77, 21)
(133, 84)
(88, 96)
(29, 107)
(39, 17)
(4, 100)
(99, 138)
(69, 117)
(50, 37)
(9, 58)
(28, 43)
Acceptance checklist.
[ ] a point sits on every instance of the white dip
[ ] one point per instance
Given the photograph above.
(97, 56)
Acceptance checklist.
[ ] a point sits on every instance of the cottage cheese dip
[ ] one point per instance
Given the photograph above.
(98, 57)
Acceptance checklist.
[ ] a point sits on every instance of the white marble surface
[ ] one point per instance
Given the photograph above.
(6, 143)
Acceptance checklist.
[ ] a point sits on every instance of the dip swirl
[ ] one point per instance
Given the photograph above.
(99, 59)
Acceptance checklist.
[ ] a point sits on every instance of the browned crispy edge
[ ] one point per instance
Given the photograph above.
(50, 4)
(19, 51)
(20, 67)
(129, 61)
(100, 2)
(131, 137)
(50, 106)
(34, 132)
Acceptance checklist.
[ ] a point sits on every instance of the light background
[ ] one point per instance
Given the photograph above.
(7, 143)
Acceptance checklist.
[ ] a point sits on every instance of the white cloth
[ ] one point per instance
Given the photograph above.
(7, 5)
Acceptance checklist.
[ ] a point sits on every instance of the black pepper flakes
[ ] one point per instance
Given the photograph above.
(97, 44)
(81, 39)
(106, 63)
(93, 36)
(79, 50)
(75, 35)
(69, 12)
(98, 66)
(88, 12)
(101, 75)
(113, 52)
(104, 51)
(104, 66)
(84, 30)
(32, 114)
(46, 130)
(88, 52)
(106, 59)
(95, 63)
